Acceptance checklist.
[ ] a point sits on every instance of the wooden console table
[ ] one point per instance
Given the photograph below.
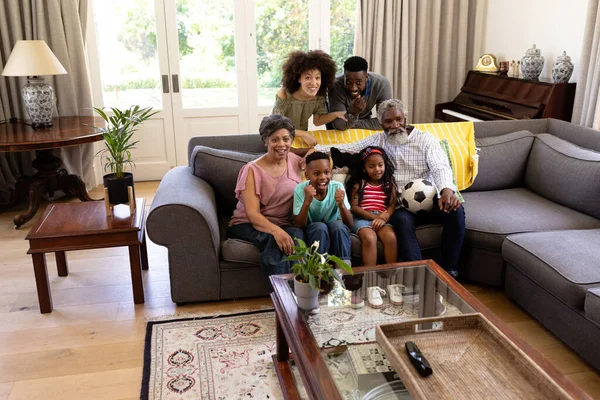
(50, 177)
(82, 226)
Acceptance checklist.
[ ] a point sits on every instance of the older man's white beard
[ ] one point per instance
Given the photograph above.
(398, 138)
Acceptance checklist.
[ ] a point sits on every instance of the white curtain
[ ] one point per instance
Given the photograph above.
(424, 47)
(586, 110)
(62, 24)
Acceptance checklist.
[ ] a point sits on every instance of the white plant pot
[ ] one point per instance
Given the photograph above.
(306, 296)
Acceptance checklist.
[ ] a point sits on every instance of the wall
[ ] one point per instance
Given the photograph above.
(513, 26)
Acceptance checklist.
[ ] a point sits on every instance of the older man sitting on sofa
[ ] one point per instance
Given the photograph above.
(417, 155)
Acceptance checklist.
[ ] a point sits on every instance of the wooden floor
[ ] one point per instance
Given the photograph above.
(91, 345)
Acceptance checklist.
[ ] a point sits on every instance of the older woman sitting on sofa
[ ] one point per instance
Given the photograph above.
(264, 191)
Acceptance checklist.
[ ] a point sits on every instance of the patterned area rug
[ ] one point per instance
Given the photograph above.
(229, 357)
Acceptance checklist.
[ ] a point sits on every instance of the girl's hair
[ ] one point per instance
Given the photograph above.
(299, 62)
(359, 176)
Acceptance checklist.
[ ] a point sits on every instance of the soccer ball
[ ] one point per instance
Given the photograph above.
(417, 196)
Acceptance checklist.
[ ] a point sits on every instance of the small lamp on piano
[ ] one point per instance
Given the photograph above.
(33, 58)
(487, 63)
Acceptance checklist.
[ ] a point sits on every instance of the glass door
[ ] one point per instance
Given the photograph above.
(128, 62)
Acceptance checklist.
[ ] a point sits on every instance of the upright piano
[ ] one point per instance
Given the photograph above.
(488, 96)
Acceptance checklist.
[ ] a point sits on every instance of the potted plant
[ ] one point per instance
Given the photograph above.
(313, 272)
(118, 142)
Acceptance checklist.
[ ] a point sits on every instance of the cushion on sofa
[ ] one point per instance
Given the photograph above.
(492, 215)
(220, 168)
(502, 160)
(565, 173)
(592, 304)
(565, 263)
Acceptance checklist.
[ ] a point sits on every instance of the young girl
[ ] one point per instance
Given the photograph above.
(306, 77)
(373, 192)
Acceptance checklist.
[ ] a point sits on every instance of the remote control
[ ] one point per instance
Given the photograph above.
(417, 359)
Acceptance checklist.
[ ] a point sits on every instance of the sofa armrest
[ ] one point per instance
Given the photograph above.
(183, 218)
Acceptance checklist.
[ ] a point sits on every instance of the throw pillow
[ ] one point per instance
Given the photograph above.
(220, 168)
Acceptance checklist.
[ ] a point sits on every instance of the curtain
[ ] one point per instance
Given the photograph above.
(586, 110)
(62, 24)
(424, 47)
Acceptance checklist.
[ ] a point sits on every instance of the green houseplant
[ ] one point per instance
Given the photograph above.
(118, 143)
(313, 271)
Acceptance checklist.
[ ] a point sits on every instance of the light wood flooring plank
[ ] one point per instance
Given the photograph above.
(93, 334)
(71, 361)
(589, 382)
(91, 295)
(5, 389)
(106, 385)
(64, 316)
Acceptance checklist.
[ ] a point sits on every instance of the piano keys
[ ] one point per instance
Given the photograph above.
(488, 96)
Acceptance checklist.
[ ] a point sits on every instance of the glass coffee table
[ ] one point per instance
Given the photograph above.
(333, 349)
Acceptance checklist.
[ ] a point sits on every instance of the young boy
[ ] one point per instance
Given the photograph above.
(321, 206)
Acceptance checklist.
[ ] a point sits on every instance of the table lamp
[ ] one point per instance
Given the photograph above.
(33, 58)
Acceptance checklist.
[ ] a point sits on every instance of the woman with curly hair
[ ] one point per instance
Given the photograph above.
(306, 77)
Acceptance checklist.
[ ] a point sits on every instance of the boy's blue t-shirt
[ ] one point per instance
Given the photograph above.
(325, 210)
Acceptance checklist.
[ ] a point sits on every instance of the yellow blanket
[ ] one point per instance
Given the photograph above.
(460, 137)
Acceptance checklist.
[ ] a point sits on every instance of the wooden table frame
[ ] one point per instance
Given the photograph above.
(129, 232)
(293, 334)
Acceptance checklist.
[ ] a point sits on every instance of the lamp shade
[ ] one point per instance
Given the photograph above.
(32, 58)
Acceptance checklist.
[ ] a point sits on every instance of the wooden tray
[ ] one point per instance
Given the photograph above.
(470, 358)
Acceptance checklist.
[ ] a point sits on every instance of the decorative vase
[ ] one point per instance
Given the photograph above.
(532, 64)
(118, 188)
(306, 296)
(562, 69)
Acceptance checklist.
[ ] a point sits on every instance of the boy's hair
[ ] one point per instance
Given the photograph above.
(317, 155)
(359, 176)
(298, 62)
(356, 64)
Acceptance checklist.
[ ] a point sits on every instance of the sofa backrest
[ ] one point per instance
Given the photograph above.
(580, 135)
(502, 160)
(220, 168)
(497, 128)
(244, 143)
(565, 173)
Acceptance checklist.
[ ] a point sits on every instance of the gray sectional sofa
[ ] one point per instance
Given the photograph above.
(532, 220)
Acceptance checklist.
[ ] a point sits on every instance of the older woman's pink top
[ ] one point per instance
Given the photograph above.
(276, 195)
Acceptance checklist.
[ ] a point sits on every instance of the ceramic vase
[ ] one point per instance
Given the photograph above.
(532, 64)
(562, 69)
(306, 296)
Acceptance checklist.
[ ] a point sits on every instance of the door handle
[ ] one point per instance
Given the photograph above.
(175, 80)
(165, 83)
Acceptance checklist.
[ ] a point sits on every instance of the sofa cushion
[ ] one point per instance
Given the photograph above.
(502, 160)
(565, 173)
(220, 168)
(592, 304)
(240, 251)
(565, 263)
(493, 215)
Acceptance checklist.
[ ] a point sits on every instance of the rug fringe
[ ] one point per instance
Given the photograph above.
(214, 314)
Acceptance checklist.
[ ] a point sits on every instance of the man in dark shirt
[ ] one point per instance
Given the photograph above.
(357, 92)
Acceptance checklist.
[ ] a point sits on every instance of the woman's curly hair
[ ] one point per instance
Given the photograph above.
(298, 62)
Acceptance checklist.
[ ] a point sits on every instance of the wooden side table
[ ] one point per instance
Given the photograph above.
(81, 226)
(50, 177)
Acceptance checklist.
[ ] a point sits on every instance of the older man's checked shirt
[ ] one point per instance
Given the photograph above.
(421, 157)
